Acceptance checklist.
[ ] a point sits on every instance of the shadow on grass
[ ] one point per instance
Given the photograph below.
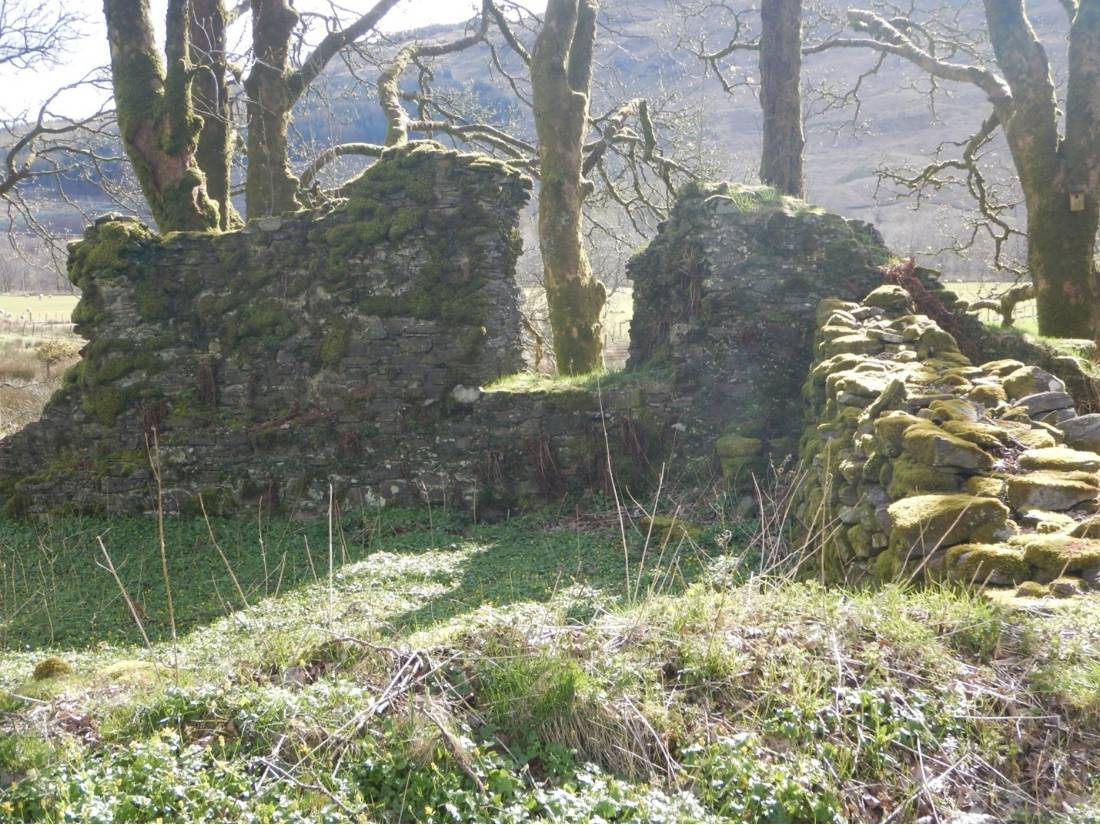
(528, 560)
(55, 593)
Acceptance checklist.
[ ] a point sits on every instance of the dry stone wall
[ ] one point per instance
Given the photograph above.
(921, 462)
(359, 348)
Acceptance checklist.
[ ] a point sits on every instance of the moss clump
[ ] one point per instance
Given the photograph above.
(51, 668)
(1060, 458)
(153, 302)
(260, 326)
(920, 524)
(1056, 555)
(108, 248)
(103, 404)
(998, 564)
(334, 342)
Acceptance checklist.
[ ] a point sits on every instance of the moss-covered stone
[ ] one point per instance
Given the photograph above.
(921, 523)
(1029, 380)
(1089, 528)
(1049, 490)
(1057, 555)
(984, 486)
(1065, 587)
(1060, 458)
(890, 428)
(936, 447)
(891, 298)
(997, 564)
(989, 395)
(936, 343)
(910, 477)
(52, 667)
(954, 409)
(860, 540)
(987, 436)
(1032, 590)
(738, 454)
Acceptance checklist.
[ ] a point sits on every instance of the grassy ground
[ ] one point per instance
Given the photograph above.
(26, 379)
(1026, 320)
(441, 670)
(43, 308)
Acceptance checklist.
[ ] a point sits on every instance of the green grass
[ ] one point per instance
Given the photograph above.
(423, 568)
(51, 308)
(451, 671)
(1026, 320)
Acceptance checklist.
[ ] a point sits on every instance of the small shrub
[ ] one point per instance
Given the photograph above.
(56, 351)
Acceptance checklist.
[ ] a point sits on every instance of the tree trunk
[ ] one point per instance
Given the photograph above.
(1060, 254)
(1060, 242)
(156, 118)
(211, 95)
(270, 187)
(561, 75)
(780, 95)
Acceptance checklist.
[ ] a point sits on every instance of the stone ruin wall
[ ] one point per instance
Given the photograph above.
(359, 346)
(921, 463)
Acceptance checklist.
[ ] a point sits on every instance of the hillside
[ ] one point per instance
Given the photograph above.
(638, 56)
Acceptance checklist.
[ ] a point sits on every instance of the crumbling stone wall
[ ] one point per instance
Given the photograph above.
(724, 299)
(359, 346)
(920, 462)
(318, 346)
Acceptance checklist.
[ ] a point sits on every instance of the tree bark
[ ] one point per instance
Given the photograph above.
(561, 77)
(1061, 242)
(1050, 166)
(270, 186)
(156, 118)
(214, 153)
(273, 89)
(1060, 254)
(780, 95)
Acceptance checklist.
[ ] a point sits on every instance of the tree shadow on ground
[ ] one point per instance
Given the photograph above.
(55, 590)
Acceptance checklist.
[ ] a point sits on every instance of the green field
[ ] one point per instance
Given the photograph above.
(48, 308)
(974, 290)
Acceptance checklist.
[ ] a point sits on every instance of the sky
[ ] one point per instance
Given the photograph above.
(25, 91)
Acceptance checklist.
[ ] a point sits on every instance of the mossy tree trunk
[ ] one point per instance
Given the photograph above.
(214, 154)
(1061, 237)
(270, 187)
(156, 117)
(273, 88)
(561, 77)
(781, 96)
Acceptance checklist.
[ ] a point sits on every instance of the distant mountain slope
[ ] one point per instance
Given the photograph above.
(637, 57)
